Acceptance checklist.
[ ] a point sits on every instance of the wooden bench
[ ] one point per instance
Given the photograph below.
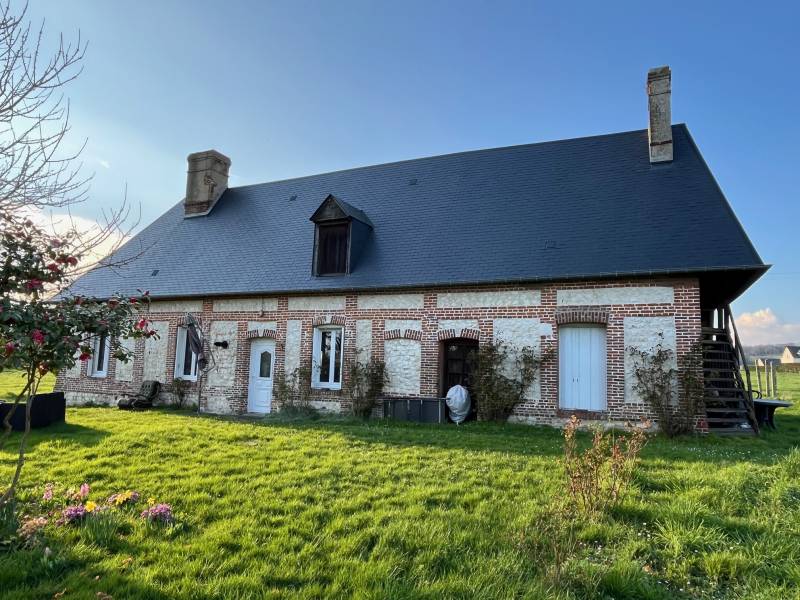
(765, 410)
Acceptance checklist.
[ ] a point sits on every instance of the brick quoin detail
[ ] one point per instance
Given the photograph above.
(330, 320)
(449, 334)
(262, 333)
(582, 315)
(685, 309)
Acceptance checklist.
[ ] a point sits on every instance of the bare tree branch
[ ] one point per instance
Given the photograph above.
(37, 175)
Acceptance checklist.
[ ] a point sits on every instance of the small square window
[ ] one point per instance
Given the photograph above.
(332, 242)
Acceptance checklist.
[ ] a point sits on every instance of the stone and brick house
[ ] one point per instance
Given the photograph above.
(586, 246)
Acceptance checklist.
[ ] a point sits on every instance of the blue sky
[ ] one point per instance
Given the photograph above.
(296, 88)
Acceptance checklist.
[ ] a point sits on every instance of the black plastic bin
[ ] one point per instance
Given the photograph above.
(419, 410)
(46, 409)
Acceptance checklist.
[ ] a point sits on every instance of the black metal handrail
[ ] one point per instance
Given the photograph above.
(730, 328)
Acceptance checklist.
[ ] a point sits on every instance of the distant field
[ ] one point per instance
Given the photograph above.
(11, 382)
(788, 384)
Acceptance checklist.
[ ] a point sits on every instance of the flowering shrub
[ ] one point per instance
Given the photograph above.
(158, 513)
(41, 332)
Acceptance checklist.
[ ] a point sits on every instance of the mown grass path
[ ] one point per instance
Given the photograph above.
(343, 509)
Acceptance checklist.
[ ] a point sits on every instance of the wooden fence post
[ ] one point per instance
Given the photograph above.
(774, 381)
(758, 376)
(767, 379)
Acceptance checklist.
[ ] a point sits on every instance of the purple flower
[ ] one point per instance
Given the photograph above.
(48, 492)
(71, 514)
(159, 513)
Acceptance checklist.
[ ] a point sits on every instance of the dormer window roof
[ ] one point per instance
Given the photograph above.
(339, 234)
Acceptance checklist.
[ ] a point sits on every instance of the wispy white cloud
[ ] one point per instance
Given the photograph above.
(62, 223)
(104, 163)
(765, 327)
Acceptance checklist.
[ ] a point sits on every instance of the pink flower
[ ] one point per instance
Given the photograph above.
(38, 337)
(34, 284)
(84, 491)
(84, 356)
(10, 347)
(48, 492)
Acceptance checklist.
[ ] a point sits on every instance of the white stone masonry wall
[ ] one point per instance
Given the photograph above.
(645, 333)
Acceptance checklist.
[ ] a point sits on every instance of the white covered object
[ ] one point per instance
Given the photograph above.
(458, 403)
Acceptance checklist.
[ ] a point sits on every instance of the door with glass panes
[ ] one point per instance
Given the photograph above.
(262, 368)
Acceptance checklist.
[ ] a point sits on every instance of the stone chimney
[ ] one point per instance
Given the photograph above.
(206, 180)
(659, 129)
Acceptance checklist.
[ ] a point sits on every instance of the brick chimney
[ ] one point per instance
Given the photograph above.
(659, 129)
(206, 180)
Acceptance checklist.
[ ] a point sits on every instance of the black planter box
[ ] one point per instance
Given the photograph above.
(419, 410)
(46, 409)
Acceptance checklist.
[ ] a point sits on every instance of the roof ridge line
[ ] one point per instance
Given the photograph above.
(447, 155)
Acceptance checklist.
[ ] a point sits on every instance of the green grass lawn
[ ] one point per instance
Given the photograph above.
(343, 509)
(11, 383)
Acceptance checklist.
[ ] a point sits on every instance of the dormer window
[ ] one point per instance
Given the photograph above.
(332, 248)
(340, 235)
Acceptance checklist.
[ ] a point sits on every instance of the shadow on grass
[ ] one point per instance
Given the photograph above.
(73, 575)
(69, 432)
(528, 440)
(485, 437)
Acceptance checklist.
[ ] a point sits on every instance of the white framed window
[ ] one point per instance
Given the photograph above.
(185, 359)
(326, 364)
(101, 348)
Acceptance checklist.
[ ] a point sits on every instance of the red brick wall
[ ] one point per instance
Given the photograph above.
(685, 310)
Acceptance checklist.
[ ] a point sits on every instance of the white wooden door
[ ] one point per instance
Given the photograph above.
(262, 368)
(582, 367)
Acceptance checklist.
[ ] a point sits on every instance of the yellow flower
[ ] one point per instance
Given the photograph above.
(90, 506)
(151, 501)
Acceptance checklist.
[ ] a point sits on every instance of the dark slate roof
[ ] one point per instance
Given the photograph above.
(587, 207)
(795, 350)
